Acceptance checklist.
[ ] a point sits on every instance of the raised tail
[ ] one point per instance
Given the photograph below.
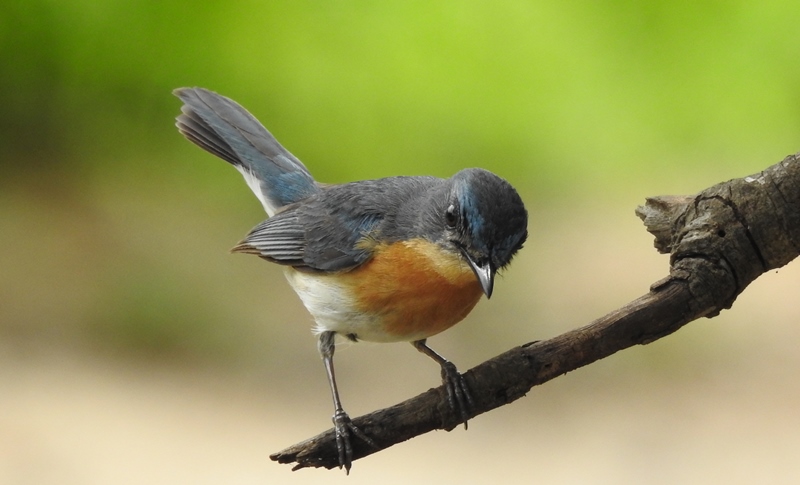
(222, 127)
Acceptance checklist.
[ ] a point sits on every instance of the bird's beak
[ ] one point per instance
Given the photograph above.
(484, 273)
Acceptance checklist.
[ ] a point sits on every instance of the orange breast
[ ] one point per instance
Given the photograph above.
(414, 288)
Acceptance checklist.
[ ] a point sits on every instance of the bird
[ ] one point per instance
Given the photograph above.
(395, 259)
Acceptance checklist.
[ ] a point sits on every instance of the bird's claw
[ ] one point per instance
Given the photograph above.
(458, 395)
(344, 428)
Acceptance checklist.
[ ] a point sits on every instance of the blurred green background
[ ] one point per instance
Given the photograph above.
(134, 348)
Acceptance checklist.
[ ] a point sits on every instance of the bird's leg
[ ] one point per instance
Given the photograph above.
(342, 424)
(457, 392)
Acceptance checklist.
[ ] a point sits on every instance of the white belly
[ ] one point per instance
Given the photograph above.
(333, 311)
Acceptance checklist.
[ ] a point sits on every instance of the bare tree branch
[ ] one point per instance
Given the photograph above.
(719, 241)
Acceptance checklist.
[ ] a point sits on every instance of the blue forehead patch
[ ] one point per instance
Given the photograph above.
(473, 217)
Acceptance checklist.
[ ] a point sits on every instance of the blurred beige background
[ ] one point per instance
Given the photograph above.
(135, 349)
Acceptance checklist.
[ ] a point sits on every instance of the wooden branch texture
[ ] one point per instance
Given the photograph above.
(719, 241)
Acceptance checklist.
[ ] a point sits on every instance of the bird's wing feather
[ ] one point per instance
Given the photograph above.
(311, 239)
(338, 228)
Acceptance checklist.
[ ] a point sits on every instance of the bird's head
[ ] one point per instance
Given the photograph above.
(483, 218)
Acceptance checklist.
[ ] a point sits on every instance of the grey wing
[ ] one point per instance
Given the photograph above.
(337, 229)
(278, 239)
(317, 243)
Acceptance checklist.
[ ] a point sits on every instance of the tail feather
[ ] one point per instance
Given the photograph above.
(222, 127)
(194, 129)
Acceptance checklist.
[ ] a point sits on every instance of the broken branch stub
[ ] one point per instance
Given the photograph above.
(726, 236)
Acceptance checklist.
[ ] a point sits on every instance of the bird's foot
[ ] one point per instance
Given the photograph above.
(345, 429)
(458, 395)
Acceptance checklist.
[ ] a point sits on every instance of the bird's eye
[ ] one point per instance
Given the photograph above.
(450, 216)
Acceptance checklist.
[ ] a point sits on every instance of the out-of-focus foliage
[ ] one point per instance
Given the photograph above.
(106, 210)
(554, 89)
